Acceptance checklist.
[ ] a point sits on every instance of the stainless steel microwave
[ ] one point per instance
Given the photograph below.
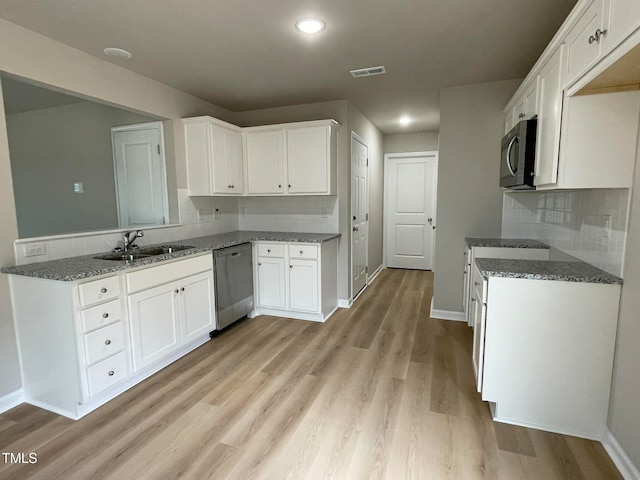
(518, 156)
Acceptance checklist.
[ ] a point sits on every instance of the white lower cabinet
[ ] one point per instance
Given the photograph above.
(470, 255)
(296, 280)
(84, 342)
(171, 309)
(543, 352)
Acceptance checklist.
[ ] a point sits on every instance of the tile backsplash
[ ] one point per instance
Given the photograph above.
(590, 225)
(314, 214)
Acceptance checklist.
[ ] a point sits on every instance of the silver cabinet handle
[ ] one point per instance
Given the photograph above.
(355, 229)
(508, 159)
(290, 266)
(596, 36)
(177, 291)
(522, 115)
(301, 252)
(473, 299)
(111, 373)
(182, 289)
(475, 284)
(103, 290)
(105, 315)
(268, 250)
(107, 342)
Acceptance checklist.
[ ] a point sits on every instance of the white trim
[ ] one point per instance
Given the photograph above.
(345, 303)
(447, 315)
(11, 400)
(625, 465)
(374, 275)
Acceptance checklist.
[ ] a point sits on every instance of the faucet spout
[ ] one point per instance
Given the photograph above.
(128, 238)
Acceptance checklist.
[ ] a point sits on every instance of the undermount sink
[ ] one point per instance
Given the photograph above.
(144, 252)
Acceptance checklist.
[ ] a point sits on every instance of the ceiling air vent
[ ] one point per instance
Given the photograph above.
(368, 72)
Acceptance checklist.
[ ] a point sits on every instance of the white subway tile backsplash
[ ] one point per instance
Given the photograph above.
(574, 222)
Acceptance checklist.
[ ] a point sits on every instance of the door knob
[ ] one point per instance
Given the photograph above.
(429, 219)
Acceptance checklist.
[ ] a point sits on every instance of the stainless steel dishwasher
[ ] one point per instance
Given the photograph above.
(233, 283)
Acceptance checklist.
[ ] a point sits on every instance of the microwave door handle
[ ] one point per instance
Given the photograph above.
(509, 155)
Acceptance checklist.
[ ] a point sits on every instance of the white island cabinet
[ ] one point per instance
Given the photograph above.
(84, 342)
(296, 280)
(543, 349)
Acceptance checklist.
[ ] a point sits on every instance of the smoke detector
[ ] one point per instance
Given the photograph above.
(368, 72)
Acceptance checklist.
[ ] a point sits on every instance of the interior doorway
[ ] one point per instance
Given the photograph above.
(410, 181)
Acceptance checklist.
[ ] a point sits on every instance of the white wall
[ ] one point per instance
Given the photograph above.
(587, 224)
(469, 196)
(28, 55)
(411, 142)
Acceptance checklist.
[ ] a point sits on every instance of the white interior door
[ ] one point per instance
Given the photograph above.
(141, 188)
(359, 223)
(410, 213)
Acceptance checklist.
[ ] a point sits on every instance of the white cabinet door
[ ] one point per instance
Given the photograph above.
(308, 160)
(198, 152)
(271, 283)
(624, 19)
(265, 162)
(549, 116)
(226, 160)
(303, 285)
(479, 312)
(531, 99)
(155, 329)
(583, 44)
(196, 306)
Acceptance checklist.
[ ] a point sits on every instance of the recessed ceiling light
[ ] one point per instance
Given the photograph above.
(404, 120)
(310, 25)
(117, 53)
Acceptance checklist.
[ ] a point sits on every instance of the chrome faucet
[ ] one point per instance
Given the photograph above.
(129, 237)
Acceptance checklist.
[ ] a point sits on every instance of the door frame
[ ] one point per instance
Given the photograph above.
(163, 164)
(387, 213)
(357, 138)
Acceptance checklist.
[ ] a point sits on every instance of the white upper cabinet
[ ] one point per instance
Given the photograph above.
(214, 157)
(624, 19)
(587, 115)
(265, 156)
(292, 159)
(549, 115)
(584, 41)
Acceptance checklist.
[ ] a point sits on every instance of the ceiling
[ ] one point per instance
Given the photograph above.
(246, 54)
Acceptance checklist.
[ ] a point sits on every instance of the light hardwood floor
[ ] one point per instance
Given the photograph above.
(378, 391)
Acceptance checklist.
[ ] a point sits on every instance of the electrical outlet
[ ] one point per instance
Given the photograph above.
(607, 227)
(35, 250)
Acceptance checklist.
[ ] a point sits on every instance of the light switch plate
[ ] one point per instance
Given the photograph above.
(35, 250)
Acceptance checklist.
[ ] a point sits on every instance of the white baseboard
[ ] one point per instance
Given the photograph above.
(11, 400)
(344, 303)
(373, 276)
(627, 468)
(447, 315)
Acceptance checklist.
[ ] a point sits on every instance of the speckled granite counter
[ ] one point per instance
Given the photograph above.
(76, 268)
(505, 243)
(545, 270)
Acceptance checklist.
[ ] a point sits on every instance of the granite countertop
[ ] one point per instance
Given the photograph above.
(76, 268)
(545, 270)
(505, 243)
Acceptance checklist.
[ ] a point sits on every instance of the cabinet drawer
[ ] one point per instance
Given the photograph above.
(271, 250)
(303, 251)
(106, 373)
(101, 315)
(103, 342)
(99, 290)
(169, 272)
(479, 286)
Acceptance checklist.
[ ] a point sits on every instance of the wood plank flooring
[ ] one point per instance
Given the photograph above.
(378, 391)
